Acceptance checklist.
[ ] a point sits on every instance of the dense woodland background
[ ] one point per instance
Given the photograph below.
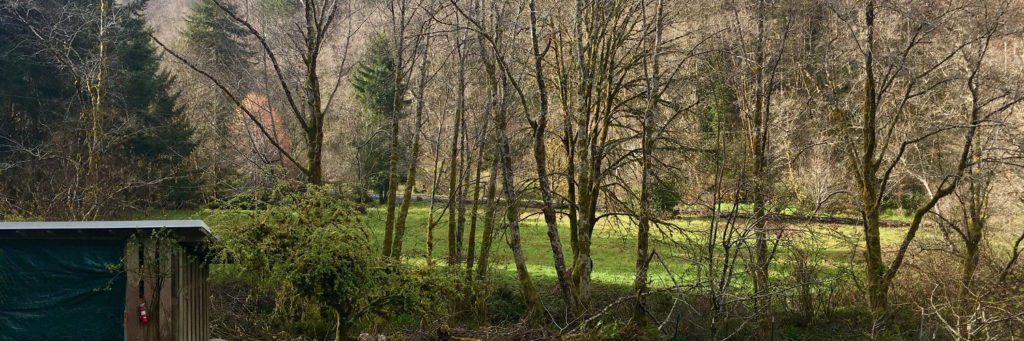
(590, 169)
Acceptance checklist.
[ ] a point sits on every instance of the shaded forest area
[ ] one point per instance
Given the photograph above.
(755, 169)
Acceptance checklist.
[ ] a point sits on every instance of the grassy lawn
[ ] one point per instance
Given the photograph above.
(614, 243)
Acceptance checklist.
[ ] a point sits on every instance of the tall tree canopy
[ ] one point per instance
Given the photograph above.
(51, 50)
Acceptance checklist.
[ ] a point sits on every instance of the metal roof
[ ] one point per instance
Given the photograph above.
(192, 225)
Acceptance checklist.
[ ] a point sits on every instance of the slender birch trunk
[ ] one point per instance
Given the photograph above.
(471, 247)
(398, 23)
(389, 222)
(643, 252)
(528, 289)
(410, 184)
(454, 192)
(94, 136)
(489, 217)
(540, 157)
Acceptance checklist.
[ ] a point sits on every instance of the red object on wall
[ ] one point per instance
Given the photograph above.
(143, 315)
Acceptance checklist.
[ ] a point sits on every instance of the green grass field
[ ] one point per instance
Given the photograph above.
(834, 250)
(614, 243)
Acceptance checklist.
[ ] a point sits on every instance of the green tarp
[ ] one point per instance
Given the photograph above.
(61, 290)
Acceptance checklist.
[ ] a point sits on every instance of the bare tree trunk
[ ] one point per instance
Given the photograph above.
(570, 179)
(866, 161)
(601, 29)
(389, 222)
(643, 252)
(433, 192)
(454, 193)
(540, 157)
(976, 220)
(311, 88)
(433, 200)
(529, 291)
(875, 269)
(460, 207)
(489, 216)
(398, 35)
(471, 247)
(582, 264)
(568, 146)
(410, 184)
(972, 238)
(496, 108)
(94, 136)
(759, 146)
(978, 187)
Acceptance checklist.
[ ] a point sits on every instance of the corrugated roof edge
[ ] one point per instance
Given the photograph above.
(123, 224)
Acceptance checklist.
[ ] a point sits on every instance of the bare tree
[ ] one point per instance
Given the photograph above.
(759, 61)
(603, 45)
(875, 143)
(410, 183)
(652, 70)
(309, 103)
(455, 192)
(400, 13)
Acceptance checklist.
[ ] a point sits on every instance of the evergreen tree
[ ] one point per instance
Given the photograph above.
(374, 80)
(218, 43)
(159, 138)
(375, 88)
(216, 37)
(145, 137)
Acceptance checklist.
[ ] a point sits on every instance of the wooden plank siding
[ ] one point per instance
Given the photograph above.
(192, 313)
(166, 257)
(173, 286)
(149, 286)
(132, 328)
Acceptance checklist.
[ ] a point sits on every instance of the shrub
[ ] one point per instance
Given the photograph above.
(666, 196)
(313, 255)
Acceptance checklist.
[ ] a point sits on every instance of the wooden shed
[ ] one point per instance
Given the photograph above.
(93, 280)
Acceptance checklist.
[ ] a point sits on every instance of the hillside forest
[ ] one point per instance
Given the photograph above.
(542, 169)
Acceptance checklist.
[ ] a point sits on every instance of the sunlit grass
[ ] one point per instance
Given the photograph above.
(680, 244)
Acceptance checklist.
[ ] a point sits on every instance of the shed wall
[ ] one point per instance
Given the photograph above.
(61, 289)
(173, 285)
